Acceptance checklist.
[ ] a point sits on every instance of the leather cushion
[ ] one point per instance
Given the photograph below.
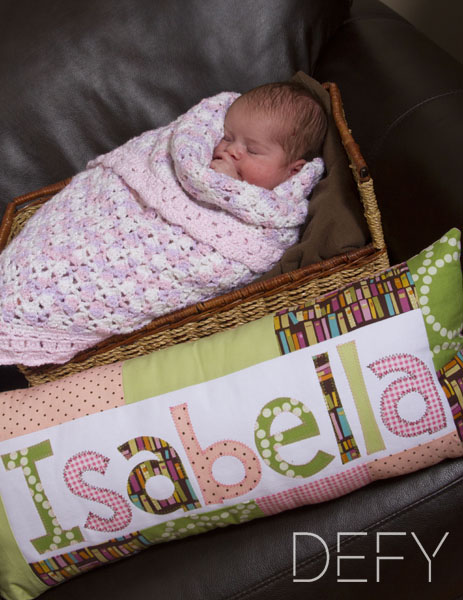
(403, 101)
(83, 77)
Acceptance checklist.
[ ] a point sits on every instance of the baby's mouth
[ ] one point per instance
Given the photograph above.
(226, 158)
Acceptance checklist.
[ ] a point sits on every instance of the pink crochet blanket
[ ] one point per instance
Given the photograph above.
(146, 229)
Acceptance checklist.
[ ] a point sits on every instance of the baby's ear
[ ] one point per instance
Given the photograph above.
(296, 166)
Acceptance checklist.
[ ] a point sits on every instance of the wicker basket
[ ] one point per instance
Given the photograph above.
(235, 308)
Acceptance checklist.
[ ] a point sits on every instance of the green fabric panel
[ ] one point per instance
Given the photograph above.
(437, 275)
(202, 360)
(17, 581)
(350, 361)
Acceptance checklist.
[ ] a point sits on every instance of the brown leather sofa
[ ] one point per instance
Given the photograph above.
(80, 78)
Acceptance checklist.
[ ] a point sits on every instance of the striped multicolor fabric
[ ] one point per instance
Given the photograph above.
(385, 295)
(451, 380)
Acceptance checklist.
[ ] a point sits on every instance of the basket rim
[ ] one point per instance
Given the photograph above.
(201, 311)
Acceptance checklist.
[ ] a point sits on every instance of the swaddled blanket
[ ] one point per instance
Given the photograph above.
(146, 229)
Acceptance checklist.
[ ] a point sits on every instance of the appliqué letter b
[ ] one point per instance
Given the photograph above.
(202, 460)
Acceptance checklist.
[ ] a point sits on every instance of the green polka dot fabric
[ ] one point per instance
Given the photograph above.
(194, 524)
(271, 444)
(436, 273)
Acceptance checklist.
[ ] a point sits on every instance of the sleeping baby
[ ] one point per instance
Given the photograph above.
(174, 216)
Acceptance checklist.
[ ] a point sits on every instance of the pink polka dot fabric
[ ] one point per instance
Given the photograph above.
(56, 402)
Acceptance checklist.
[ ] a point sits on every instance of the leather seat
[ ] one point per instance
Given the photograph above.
(83, 77)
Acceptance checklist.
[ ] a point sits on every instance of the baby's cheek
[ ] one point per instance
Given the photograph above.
(259, 169)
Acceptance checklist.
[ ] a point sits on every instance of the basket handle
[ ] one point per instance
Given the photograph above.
(359, 168)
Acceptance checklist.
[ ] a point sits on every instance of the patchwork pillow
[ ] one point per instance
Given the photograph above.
(295, 408)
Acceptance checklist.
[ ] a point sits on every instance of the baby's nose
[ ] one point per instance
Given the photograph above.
(234, 150)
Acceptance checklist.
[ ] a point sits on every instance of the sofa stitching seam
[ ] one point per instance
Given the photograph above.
(396, 18)
(378, 145)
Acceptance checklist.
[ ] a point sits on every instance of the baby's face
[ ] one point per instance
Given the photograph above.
(249, 150)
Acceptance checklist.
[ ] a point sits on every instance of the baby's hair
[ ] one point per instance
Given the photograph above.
(303, 118)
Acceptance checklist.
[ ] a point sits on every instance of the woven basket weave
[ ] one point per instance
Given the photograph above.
(235, 308)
